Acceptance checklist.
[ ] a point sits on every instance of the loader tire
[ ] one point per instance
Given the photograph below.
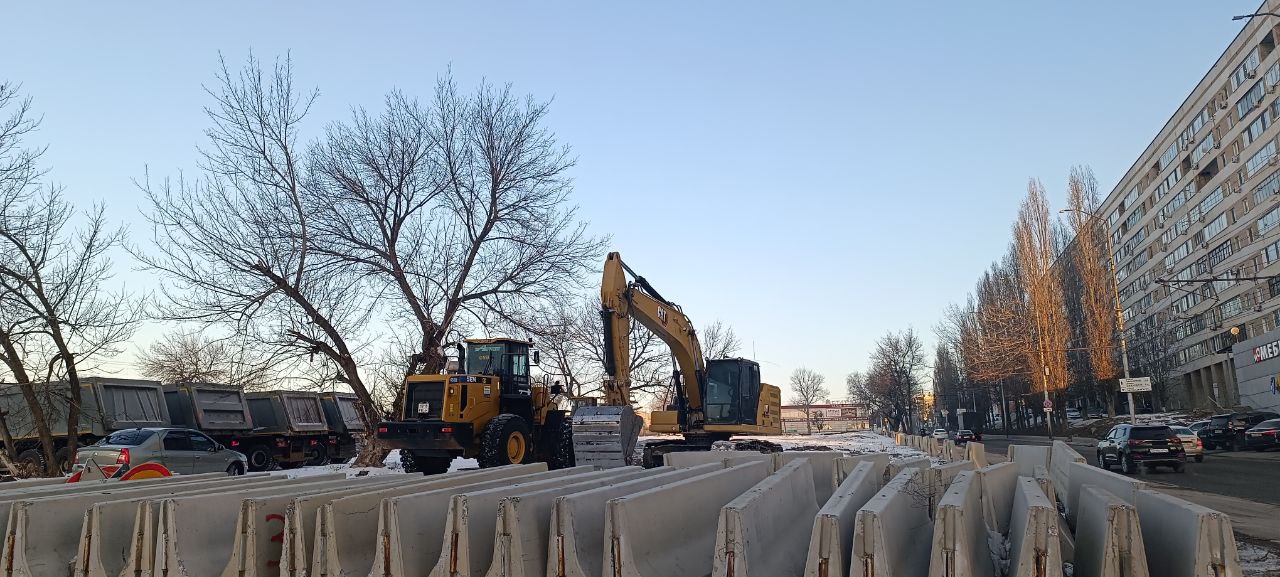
(505, 442)
(562, 452)
(32, 463)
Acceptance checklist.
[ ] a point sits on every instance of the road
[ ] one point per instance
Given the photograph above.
(1246, 475)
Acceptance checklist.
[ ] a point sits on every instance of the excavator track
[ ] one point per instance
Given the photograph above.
(605, 436)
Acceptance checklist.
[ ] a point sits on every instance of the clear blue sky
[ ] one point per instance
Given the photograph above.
(814, 176)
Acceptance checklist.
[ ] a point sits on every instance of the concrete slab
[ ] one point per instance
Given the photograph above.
(892, 532)
(1034, 550)
(822, 464)
(1108, 537)
(1060, 458)
(896, 466)
(576, 537)
(940, 476)
(1028, 457)
(641, 540)
(976, 452)
(401, 534)
(959, 547)
(1183, 539)
(42, 533)
(694, 458)
(831, 539)
(844, 466)
(1041, 475)
(196, 533)
(87, 487)
(522, 536)
(761, 533)
(999, 482)
(467, 543)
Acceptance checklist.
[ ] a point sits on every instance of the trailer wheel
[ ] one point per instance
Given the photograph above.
(319, 457)
(32, 462)
(562, 452)
(260, 458)
(505, 442)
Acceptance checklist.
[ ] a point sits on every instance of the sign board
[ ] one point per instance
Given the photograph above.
(1048, 404)
(1135, 385)
(1265, 352)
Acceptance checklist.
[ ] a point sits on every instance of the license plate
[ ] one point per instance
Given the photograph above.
(424, 407)
(1159, 450)
(1255, 434)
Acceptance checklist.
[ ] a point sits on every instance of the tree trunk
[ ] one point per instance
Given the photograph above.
(10, 449)
(73, 410)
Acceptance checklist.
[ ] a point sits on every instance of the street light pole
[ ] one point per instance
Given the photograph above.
(1250, 16)
(1115, 289)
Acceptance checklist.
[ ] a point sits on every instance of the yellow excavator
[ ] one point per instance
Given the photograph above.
(714, 399)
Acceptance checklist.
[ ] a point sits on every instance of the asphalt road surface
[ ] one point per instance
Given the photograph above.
(1245, 474)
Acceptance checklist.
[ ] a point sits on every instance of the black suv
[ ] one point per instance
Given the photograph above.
(1228, 430)
(1150, 445)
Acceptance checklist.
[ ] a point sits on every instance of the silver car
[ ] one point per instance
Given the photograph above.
(1191, 444)
(183, 451)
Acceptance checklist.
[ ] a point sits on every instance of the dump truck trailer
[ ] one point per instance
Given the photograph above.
(289, 427)
(345, 426)
(106, 405)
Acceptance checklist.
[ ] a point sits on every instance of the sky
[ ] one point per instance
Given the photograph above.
(813, 176)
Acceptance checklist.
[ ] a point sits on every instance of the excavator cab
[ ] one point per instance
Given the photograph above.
(732, 391)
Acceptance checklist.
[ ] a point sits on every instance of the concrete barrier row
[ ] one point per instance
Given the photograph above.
(1060, 458)
(831, 539)
(1110, 543)
(761, 533)
(844, 466)
(892, 532)
(1183, 539)
(1034, 550)
(960, 542)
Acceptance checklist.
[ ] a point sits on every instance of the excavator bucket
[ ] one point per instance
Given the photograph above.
(605, 436)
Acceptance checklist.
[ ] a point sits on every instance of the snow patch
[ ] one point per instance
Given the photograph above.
(391, 466)
(1256, 561)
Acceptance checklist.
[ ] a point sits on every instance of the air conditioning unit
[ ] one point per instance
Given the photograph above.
(1204, 245)
(1160, 225)
(1195, 166)
(1202, 219)
(1217, 145)
(1257, 308)
(1222, 104)
(1271, 89)
(1235, 158)
(1251, 73)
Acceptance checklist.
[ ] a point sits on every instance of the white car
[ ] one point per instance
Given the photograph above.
(940, 434)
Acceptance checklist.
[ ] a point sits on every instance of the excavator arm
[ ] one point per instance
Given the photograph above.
(620, 302)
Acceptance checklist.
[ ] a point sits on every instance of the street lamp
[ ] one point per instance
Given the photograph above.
(1115, 286)
(1247, 16)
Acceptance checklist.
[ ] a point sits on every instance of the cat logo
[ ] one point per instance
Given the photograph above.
(662, 315)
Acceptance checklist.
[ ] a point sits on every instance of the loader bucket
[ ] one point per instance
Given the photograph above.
(605, 436)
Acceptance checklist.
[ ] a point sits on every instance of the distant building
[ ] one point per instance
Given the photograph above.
(830, 418)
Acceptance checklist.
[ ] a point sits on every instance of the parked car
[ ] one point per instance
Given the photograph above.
(1191, 444)
(1073, 413)
(183, 451)
(1264, 435)
(1228, 430)
(1148, 445)
(1096, 414)
(964, 436)
(1196, 426)
(940, 434)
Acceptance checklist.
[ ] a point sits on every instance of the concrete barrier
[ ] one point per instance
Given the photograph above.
(522, 537)
(940, 476)
(576, 539)
(950, 451)
(1034, 550)
(695, 458)
(892, 531)
(1042, 478)
(466, 544)
(831, 539)
(195, 534)
(1108, 537)
(842, 467)
(1028, 457)
(959, 547)
(110, 530)
(897, 466)
(258, 541)
(999, 481)
(1183, 539)
(642, 541)
(976, 452)
(931, 447)
(1080, 474)
(1060, 459)
(761, 533)
(391, 529)
(822, 465)
(43, 533)
(88, 487)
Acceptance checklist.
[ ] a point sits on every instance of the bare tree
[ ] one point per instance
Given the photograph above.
(572, 343)
(855, 383)
(719, 341)
(1092, 271)
(53, 281)
(191, 357)
(237, 245)
(807, 390)
(895, 378)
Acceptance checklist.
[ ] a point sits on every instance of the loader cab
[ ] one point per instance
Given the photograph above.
(731, 391)
(507, 359)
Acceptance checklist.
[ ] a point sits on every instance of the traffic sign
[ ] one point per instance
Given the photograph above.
(1135, 385)
(1048, 404)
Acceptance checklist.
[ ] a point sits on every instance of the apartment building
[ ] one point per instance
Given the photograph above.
(1197, 217)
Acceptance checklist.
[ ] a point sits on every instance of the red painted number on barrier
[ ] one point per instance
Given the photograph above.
(278, 537)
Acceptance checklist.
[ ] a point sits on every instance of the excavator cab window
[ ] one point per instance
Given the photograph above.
(732, 386)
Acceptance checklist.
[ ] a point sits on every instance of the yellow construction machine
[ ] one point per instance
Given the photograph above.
(714, 399)
(486, 407)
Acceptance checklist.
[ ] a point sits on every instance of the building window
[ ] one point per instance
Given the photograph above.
(1260, 159)
(1249, 101)
(1267, 187)
(1204, 147)
(1113, 218)
(1242, 72)
(1256, 128)
(1273, 75)
(1268, 221)
(1129, 199)
(1271, 253)
(1215, 227)
(1170, 155)
(1220, 253)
